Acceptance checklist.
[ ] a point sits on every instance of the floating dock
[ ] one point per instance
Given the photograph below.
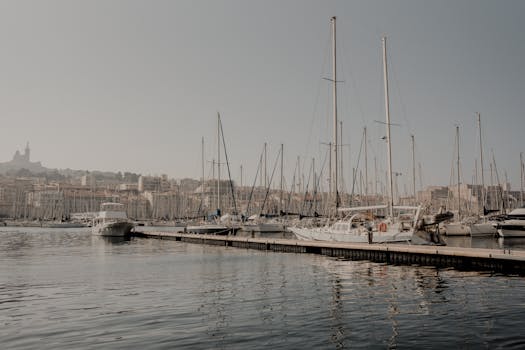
(496, 260)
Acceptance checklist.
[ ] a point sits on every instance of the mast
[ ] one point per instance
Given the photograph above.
(330, 174)
(218, 164)
(265, 168)
(389, 144)
(202, 163)
(459, 195)
(281, 182)
(413, 168)
(366, 167)
(521, 177)
(341, 176)
(376, 180)
(483, 195)
(335, 143)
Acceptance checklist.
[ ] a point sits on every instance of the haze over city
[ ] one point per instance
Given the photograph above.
(135, 85)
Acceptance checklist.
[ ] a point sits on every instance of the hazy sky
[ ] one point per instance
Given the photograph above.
(134, 85)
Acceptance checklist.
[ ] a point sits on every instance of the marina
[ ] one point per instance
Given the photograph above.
(245, 175)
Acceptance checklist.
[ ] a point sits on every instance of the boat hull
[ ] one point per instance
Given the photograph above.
(483, 229)
(512, 228)
(211, 229)
(264, 227)
(114, 229)
(320, 234)
(457, 229)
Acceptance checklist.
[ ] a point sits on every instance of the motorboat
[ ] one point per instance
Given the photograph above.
(514, 225)
(112, 221)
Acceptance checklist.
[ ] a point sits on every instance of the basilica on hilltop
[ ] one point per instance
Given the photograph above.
(22, 161)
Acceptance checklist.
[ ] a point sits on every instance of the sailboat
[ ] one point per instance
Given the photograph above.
(460, 226)
(473, 226)
(215, 223)
(263, 223)
(359, 223)
(484, 226)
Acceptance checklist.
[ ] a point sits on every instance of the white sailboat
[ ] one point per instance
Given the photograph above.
(360, 224)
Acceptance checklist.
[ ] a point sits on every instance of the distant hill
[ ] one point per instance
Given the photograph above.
(22, 166)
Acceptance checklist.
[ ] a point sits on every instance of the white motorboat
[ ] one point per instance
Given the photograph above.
(514, 225)
(112, 221)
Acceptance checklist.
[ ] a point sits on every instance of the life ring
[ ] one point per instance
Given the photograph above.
(382, 227)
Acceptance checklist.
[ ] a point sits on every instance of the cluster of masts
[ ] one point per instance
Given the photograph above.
(335, 158)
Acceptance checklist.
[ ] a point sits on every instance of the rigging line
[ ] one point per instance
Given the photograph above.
(306, 190)
(357, 166)
(228, 167)
(452, 173)
(398, 93)
(318, 180)
(259, 168)
(270, 182)
(292, 187)
(316, 104)
(354, 83)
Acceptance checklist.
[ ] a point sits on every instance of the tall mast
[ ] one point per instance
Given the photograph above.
(521, 177)
(265, 168)
(330, 174)
(218, 163)
(334, 85)
(281, 185)
(366, 167)
(202, 179)
(483, 195)
(459, 195)
(413, 168)
(341, 156)
(389, 144)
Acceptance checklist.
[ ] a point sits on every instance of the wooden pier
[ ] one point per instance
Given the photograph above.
(496, 260)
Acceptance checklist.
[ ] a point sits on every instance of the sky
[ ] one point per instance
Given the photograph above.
(135, 85)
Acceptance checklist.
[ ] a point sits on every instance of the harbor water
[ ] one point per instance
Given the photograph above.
(67, 289)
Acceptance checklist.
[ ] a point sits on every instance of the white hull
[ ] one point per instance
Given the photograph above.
(512, 228)
(359, 236)
(483, 229)
(113, 229)
(457, 229)
(267, 227)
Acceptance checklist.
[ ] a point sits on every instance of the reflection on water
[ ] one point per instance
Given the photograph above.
(68, 289)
